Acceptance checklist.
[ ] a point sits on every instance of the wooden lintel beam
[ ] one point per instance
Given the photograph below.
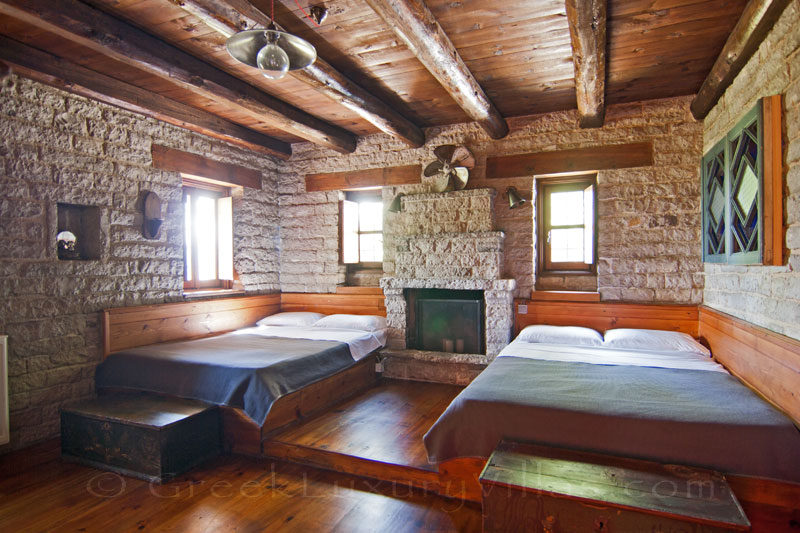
(413, 22)
(84, 25)
(755, 23)
(229, 16)
(173, 160)
(373, 177)
(587, 31)
(574, 160)
(62, 74)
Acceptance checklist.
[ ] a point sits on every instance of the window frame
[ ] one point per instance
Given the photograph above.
(357, 197)
(202, 188)
(544, 187)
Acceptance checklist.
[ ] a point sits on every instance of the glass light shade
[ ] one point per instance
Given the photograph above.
(273, 61)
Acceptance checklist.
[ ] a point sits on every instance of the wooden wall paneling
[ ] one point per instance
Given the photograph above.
(767, 361)
(373, 177)
(197, 165)
(603, 316)
(773, 181)
(128, 327)
(358, 304)
(579, 159)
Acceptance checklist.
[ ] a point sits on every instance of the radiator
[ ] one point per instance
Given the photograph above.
(4, 433)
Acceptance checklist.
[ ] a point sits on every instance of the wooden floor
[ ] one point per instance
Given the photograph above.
(227, 494)
(376, 434)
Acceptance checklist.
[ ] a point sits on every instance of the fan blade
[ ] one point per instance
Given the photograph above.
(433, 168)
(462, 157)
(440, 183)
(444, 153)
(459, 177)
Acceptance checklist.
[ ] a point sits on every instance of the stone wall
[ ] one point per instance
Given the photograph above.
(765, 295)
(649, 218)
(59, 148)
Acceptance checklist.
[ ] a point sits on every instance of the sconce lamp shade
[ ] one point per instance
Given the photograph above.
(514, 198)
(397, 204)
(273, 51)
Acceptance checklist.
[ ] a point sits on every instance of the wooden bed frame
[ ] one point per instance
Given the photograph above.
(764, 360)
(130, 327)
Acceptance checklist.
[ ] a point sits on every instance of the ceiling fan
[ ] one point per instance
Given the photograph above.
(450, 171)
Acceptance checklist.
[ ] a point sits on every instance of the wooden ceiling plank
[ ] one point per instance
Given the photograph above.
(105, 34)
(587, 30)
(757, 19)
(413, 22)
(230, 16)
(56, 72)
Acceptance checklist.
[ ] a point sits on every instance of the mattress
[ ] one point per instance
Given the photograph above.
(247, 369)
(659, 406)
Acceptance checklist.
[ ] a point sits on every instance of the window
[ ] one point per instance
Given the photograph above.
(208, 248)
(566, 224)
(362, 228)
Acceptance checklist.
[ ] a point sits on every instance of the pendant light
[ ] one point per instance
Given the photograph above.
(271, 50)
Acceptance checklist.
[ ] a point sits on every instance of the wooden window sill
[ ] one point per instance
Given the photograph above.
(565, 296)
(205, 293)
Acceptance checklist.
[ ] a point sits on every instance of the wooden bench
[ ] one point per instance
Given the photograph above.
(148, 437)
(540, 489)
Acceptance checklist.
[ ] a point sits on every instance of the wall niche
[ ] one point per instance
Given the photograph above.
(83, 221)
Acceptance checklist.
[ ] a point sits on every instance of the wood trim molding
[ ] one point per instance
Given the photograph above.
(607, 157)
(565, 296)
(196, 165)
(754, 25)
(773, 180)
(603, 316)
(767, 361)
(372, 177)
(330, 303)
(129, 327)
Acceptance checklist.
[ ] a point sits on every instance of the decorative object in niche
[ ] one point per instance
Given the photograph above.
(450, 171)
(152, 216)
(82, 222)
(742, 191)
(514, 198)
(67, 245)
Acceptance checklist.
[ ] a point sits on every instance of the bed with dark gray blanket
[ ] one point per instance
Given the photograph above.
(670, 415)
(244, 370)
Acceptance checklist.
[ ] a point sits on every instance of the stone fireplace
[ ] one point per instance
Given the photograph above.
(445, 242)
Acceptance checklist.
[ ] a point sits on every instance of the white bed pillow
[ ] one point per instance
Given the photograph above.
(358, 322)
(653, 339)
(296, 318)
(561, 335)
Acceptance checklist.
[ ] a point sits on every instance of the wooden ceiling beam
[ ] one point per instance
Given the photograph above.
(84, 25)
(413, 22)
(229, 16)
(587, 31)
(62, 74)
(755, 23)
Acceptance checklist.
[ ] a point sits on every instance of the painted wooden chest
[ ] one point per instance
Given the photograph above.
(540, 489)
(143, 436)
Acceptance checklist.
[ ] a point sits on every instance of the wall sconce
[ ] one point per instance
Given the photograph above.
(514, 198)
(152, 216)
(397, 204)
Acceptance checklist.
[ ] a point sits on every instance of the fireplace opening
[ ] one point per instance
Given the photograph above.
(444, 320)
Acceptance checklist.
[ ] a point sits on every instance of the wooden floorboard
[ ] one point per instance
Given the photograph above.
(227, 494)
(384, 424)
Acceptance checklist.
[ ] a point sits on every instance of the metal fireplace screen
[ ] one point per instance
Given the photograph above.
(443, 320)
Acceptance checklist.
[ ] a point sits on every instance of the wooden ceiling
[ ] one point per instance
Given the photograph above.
(509, 58)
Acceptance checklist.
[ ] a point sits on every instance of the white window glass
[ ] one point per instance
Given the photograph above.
(371, 247)
(370, 216)
(588, 223)
(566, 245)
(350, 232)
(187, 210)
(225, 233)
(205, 226)
(566, 208)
